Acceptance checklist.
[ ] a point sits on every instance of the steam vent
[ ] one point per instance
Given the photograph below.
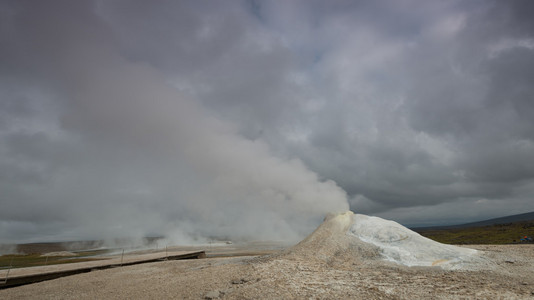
(366, 238)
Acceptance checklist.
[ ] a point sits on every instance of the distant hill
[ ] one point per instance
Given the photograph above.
(504, 230)
(502, 220)
(496, 221)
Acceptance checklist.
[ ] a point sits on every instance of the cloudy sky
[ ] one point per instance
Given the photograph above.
(253, 119)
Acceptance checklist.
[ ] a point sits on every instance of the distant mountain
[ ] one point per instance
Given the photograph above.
(502, 220)
(504, 230)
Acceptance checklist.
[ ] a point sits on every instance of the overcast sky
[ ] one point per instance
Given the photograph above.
(253, 119)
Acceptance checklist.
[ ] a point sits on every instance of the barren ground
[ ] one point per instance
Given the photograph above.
(294, 274)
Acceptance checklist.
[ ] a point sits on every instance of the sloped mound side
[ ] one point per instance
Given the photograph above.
(330, 242)
(404, 246)
(348, 237)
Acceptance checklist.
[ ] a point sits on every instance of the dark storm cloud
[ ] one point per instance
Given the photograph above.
(209, 118)
(416, 107)
(484, 106)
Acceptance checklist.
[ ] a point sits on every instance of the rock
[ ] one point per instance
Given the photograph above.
(240, 281)
(212, 295)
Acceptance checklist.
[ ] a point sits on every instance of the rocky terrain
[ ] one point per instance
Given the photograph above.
(329, 264)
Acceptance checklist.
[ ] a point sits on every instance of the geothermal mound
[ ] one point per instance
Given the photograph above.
(363, 238)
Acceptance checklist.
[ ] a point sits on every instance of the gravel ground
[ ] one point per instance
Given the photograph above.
(326, 265)
(289, 276)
